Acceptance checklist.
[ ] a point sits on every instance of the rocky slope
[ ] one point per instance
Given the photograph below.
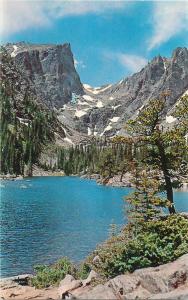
(117, 103)
(22, 91)
(85, 111)
(169, 281)
(104, 110)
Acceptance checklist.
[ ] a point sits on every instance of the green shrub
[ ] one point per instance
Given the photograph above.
(155, 242)
(83, 271)
(51, 275)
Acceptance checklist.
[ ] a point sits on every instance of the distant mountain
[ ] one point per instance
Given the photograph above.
(115, 104)
(85, 111)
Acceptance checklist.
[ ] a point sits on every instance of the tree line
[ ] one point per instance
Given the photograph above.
(25, 126)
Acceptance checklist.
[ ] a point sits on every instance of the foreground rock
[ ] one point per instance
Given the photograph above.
(67, 285)
(17, 288)
(169, 281)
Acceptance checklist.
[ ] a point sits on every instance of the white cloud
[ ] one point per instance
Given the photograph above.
(79, 63)
(19, 15)
(77, 7)
(133, 63)
(169, 19)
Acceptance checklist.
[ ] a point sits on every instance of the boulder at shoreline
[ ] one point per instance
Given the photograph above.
(168, 281)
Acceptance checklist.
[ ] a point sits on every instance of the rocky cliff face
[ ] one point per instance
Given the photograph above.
(51, 70)
(87, 111)
(121, 101)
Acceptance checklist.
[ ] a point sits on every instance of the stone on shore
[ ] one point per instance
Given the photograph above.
(67, 285)
(169, 281)
(98, 292)
(92, 275)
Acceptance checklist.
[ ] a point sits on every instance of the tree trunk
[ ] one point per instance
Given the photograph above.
(121, 177)
(167, 178)
(122, 174)
(169, 191)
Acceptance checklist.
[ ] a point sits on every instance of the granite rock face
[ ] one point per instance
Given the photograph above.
(51, 70)
(104, 111)
(86, 111)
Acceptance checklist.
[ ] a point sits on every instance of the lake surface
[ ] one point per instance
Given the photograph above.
(45, 218)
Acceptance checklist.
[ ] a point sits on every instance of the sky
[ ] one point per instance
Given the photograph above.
(110, 40)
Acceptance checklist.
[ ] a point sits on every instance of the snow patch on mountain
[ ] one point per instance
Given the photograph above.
(170, 119)
(109, 127)
(106, 88)
(115, 107)
(114, 119)
(87, 86)
(68, 140)
(80, 113)
(83, 103)
(89, 132)
(120, 82)
(99, 104)
(13, 54)
(88, 98)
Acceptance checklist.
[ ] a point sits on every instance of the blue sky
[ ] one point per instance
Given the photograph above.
(109, 39)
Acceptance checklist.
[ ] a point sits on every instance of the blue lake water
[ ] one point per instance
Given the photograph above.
(45, 218)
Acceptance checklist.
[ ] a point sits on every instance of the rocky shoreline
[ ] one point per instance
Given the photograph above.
(115, 181)
(169, 281)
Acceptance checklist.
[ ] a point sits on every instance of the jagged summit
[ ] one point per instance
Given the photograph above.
(121, 101)
(51, 70)
(101, 110)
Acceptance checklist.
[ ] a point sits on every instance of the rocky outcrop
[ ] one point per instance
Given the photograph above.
(51, 70)
(169, 281)
(17, 288)
(67, 285)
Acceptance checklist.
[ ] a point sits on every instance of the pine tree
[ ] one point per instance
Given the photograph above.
(145, 202)
(166, 147)
(25, 126)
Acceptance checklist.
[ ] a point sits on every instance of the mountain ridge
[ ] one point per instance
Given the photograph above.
(100, 111)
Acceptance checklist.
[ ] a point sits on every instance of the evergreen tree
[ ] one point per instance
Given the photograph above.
(145, 203)
(166, 147)
(25, 126)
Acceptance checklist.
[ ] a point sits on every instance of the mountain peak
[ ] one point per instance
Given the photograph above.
(180, 51)
(51, 70)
